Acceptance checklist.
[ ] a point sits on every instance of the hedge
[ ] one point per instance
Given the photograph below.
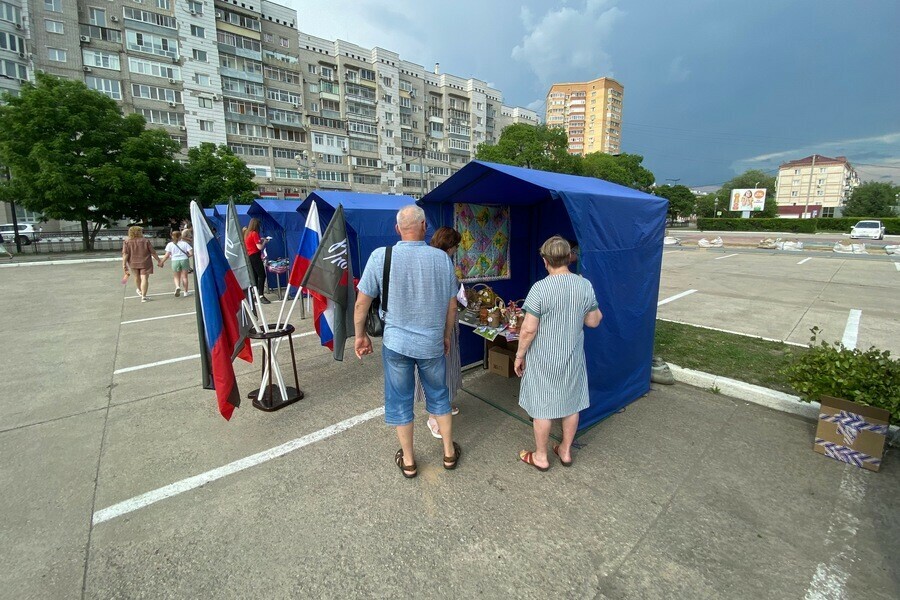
(841, 225)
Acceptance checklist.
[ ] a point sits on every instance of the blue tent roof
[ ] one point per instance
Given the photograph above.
(620, 234)
(370, 219)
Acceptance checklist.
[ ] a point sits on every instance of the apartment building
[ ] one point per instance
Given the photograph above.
(590, 112)
(303, 112)
(815, 186)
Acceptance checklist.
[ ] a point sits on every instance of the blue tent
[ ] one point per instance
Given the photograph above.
(370, 219)
(620, 234)
(279, 219)
(243, 217)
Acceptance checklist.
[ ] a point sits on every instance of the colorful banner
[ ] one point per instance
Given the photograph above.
(483, 253)
(747, 200)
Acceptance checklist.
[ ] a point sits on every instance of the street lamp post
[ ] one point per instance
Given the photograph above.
(715, 207)
(306, 166)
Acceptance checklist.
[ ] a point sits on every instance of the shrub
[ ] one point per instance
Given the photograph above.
(843, 224)
(870, 377)
(786, 225)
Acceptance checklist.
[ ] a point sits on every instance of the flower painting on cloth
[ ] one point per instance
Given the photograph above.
(483, 253)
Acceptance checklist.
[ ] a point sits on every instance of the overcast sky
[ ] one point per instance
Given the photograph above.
(712, 87)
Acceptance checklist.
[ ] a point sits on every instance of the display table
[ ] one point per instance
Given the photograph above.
(269, 396)
(494, 337)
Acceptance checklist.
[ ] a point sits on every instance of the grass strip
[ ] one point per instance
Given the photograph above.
(744, 358)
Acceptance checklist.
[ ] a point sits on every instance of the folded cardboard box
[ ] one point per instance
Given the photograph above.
(851, 433)
(502, 361)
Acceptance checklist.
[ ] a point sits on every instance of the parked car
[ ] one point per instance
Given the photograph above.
(26, 234)
(867, 229)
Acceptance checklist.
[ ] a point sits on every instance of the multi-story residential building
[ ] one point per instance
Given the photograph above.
(815, 186)
(510, 115)
(590, 112)
(303, 112)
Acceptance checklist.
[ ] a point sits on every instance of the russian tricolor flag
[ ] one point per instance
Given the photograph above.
(323, 311)
(220, 298)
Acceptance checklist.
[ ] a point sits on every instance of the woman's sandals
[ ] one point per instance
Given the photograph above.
(409, 471)
(450, 462)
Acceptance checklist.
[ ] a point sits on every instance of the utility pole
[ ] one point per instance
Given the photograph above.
(812, 173)
(15, 219)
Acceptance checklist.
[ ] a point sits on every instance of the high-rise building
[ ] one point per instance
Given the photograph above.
(590, 112)
(303, 112)
(815, 186)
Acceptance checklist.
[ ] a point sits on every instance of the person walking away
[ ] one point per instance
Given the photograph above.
(418, 326)
(180, 252)
(550, 358)
(3, 249)
(255, 246)
(446, 239)
(138, 255)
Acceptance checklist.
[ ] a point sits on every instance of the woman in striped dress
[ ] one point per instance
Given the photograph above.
(550, 357)
(446, 239)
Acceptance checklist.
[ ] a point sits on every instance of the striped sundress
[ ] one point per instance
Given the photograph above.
(555, 381)
(454, 369)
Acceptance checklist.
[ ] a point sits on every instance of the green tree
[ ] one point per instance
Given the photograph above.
(535, 147)
(681, 199)
(61, 142)
(155, 184)
(624, 169)
(215, 175)
(747, 180)
(873, 199)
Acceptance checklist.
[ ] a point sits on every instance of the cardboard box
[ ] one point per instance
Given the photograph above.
(501, 361)
(852, 433)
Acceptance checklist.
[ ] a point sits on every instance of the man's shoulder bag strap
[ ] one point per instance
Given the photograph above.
(386, 278)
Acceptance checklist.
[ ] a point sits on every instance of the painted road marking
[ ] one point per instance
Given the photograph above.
(191, 357)
(157, 318)
(57, 263)
(830, 579)
(851, 331)
(160, 294)
(804, 260)
(897, 265)
(179, 487)
(726, 256)
(675, 297)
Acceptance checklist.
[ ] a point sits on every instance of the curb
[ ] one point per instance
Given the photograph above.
(756, 394)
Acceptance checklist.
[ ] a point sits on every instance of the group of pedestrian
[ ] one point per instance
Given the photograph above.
(420, 350)
(139, 255)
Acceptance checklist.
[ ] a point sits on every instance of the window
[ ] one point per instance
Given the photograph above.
(283, 96)
(163, 4)
(828, 212)
(387, 81)
(367, 179)
(284, 42)
(367, 74)
(289, 135)
(253, 131)
(163, 117)
(260, 171)
(794, 194)
(360, 161)
(243, 107)
(285, 153)
(10, 13)
(11, 42)
(796, 171)
(56, 55)
(333, 176)
(202, 79)
(139, 90)
(195, 7)
(100, 59)
(97, 16)
(54, 26)
(823, 169)
(327, 74)
(238, 41)
(795, 181)
(285, 173)
(205, 102)
(109, 87)
(820, 192)
(200, 55)
(821, 181)
(313, 69)
(154, 69)
(206, 125)
(12, 69)
(53, 5)
(198, 31)
(332, 159)
(151, 43)
(249, 150)
(268, 37)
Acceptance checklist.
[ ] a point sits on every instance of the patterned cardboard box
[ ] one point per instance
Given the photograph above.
(851, 433)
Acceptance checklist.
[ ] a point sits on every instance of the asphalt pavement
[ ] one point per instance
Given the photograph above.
(120, 480)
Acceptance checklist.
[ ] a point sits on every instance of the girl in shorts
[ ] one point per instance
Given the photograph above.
(180, 252)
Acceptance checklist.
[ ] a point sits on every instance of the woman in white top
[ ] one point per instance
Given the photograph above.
(180, 252)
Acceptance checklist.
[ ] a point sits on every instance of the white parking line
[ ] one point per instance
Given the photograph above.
(851, 331)
(179, 487)
(726, 256)
(675, 297)
(897, 265)
(57, 263)
(157, 318)
(191, 357)
(160, 294)
(804, 260)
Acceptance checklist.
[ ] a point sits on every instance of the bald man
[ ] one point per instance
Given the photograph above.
(417, 326)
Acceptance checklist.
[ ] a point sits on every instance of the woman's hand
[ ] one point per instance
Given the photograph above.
(519, 366)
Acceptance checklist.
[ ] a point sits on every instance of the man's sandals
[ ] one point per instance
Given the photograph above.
(409, 471)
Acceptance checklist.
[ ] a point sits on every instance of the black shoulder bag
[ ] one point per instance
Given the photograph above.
(374, 322)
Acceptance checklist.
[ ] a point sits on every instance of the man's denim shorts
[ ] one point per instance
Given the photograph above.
(400, 381)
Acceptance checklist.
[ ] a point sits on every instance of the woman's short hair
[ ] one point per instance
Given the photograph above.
(556, 251)
(253, 225)
(176, 236)
(445, 238)
(135, 232)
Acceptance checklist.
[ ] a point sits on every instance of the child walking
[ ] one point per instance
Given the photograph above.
(180, 252)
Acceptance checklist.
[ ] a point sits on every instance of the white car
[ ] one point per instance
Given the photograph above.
(867, 229)
(27, 234)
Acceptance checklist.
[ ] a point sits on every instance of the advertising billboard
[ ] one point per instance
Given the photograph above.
(749, 200)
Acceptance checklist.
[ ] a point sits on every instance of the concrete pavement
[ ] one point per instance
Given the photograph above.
(685, 494)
